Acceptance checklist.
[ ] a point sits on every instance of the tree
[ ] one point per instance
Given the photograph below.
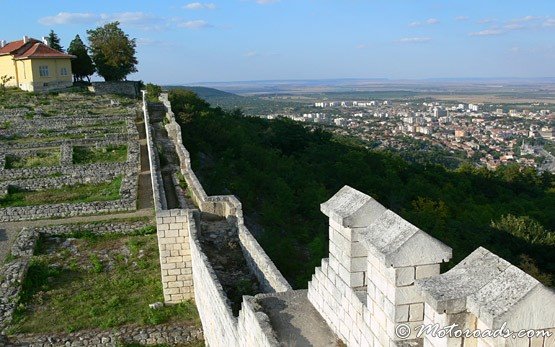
(186, 101)
(54, 41)
(3, 81)
(113, 52)
(82, 66)
(153, 91)
(525, 228)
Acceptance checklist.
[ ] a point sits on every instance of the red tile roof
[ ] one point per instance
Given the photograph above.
(13, 46)
(31, 49)
(40, 50)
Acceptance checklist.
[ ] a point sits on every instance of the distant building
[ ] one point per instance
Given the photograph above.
(459, 133)
(438, 112)
(34, 66)
(548, 133)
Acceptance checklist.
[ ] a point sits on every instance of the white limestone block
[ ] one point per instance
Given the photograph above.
(423, 271)
(416, 312)
(407, 295)
(401, 313)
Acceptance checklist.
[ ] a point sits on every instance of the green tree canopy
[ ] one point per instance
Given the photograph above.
(82, 66)
(113, 52)
(54, 41)
(187, 101)
(153, 91)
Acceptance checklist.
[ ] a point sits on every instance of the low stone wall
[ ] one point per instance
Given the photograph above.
(65, 170)
(115, 227)
(173, 334)
(102, 138)
(56, 182)
(128, 88)
(127, 202)
(13, 273)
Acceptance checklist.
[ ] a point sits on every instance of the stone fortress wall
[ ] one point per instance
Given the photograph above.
(128, 88)
(380, 282)
(220, 326)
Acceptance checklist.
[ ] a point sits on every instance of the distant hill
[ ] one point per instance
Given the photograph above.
(205, 92)
(250, 105)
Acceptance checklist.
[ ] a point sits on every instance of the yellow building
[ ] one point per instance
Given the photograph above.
(34, 66)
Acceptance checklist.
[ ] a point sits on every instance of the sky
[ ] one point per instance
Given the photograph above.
(183, 42)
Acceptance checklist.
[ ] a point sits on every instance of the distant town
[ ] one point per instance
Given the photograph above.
(488, 135)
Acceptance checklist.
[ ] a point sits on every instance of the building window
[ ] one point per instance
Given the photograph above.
(63, 72)
(43, 71)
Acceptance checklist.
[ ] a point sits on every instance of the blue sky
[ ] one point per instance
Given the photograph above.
(234, 40)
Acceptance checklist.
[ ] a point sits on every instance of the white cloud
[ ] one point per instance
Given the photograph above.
(414, 39)
(487, 32)
(462, 18)
(264, 2)
(550, 22)
(521, 23)
(195, 24)
(362, 46)
(514, 26)
(70, 18)
(136, 19)
(486, 21)
(429, 21)
(251, 54)
(525, 19)
(200, 6)
(143, 42)
(139, 20)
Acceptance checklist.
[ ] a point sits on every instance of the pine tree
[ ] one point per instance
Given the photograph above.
(113, 52)
(54, 41)
(82, 65)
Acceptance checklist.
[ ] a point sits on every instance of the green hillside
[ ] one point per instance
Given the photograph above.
(281, 172)
(206, 93)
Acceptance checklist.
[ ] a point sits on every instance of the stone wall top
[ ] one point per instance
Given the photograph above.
(396, 242)
(493, 290)
(351, 208)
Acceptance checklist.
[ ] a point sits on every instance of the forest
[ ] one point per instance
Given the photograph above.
(282, 172)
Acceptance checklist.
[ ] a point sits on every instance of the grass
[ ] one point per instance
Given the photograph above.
(95, 282)
(88, 192)
(42, 158)
(91, 155)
